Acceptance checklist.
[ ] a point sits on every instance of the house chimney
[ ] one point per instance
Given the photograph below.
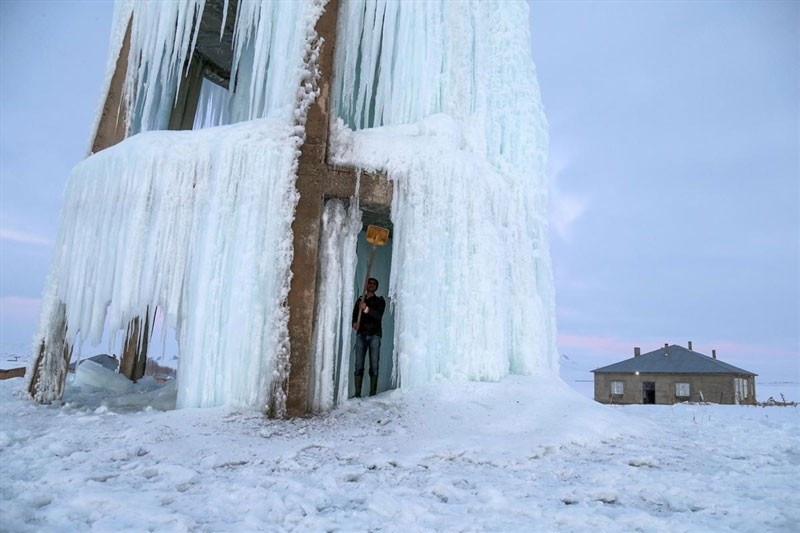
(690, 346)
(714, 354)
(637, 351)
(666, 349)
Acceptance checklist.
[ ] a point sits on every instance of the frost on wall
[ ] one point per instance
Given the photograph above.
(196, 223)
(341, 225)
(443, 96)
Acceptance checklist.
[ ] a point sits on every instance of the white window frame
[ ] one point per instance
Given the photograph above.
(681, 388)
(742, 389)
(617, 388)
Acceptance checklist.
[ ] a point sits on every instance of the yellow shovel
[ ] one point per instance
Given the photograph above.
(376, 236)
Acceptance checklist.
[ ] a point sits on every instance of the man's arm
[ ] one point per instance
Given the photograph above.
(377, 307)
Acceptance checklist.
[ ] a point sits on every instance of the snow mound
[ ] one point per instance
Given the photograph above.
(92, 374)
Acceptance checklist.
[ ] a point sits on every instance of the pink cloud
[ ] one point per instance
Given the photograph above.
(19, 307)
(24, 237)
(568, 340)
(739, 349)
(754, 357)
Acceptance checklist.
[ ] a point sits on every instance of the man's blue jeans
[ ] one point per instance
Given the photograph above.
(373, 342)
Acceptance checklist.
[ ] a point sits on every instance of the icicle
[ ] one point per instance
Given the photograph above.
(195, 230)
(446, 95)
(224, 19)
(212, 106)
(195, 223)
(163, 36)
(199, 223)
(265, 34)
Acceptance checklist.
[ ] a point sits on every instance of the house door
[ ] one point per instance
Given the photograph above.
(649, 390)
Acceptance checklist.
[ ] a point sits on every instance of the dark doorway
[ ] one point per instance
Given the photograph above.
(381, 270)
(649, 389)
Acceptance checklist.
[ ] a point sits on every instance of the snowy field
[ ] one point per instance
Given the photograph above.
(524, 454)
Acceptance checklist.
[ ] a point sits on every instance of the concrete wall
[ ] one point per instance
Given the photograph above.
(716, 388)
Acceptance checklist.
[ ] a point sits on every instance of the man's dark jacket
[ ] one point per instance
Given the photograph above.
(370, 322)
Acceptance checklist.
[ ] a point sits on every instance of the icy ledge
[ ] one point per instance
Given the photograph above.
(198, 224)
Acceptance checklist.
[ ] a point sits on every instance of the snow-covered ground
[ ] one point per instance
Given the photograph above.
(525, 454)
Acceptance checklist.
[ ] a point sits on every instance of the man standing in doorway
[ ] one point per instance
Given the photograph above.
(367, 315)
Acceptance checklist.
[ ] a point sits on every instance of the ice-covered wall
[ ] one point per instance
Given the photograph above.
(163, 35)
(341, 224)
(268, 37)
(444, 98)
(196, 223)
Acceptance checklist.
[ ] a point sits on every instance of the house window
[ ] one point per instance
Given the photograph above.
(741, 387)
(617, 387)
(682, 390)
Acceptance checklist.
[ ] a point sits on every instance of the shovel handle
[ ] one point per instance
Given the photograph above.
(366, 280)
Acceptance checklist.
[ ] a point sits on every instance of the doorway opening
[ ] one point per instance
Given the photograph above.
(381, 271)
(649, 390)
(342, 271)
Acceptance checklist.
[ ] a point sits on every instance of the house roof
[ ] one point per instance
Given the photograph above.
(677, 360)
(107, 361)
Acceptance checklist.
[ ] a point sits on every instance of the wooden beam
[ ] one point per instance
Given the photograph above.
(317, 181)
(312, 171)
(111, 129)
(12, 373)
(185, 108)
(134, 353)
(53, 358)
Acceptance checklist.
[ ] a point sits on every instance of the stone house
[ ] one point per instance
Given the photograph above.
(673, 374)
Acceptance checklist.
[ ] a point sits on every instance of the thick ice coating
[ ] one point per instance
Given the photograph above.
(445, 100)
(195, 230)
(195, 223)
(441, 96)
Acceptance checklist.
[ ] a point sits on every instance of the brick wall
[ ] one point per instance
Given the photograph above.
(715, 388)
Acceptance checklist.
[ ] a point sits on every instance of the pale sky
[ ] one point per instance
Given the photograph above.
(675, 169)
(675, 157)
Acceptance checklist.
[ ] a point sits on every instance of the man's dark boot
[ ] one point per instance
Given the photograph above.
(359, 381)
(373, 385)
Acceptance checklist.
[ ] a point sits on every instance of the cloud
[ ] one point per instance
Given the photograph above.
(568, 340)
(19, 307)
(740, 349)
(24, 237)
(565, 207)
(723, 347)
(771, 362)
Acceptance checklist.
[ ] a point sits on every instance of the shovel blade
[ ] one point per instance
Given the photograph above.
(377, 235)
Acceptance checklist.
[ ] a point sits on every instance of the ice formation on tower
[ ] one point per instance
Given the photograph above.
(195, 223)
(441, 96)
(445, 100)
